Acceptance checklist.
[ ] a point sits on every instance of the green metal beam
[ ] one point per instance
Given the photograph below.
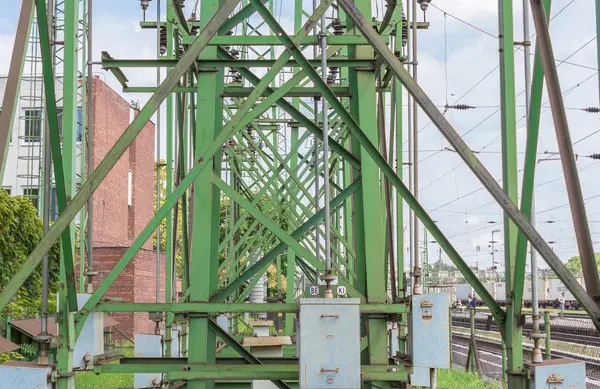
(531, 147)
(271, 40)
(218, 308)
(111, 63)
(69, 288)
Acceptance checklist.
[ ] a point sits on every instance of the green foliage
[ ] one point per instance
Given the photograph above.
(574, 263)
(461, 379)
(28, 350)
(11, 356)
(20, 231)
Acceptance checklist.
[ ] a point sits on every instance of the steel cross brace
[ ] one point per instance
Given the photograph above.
(115, 153)
(279, 232)
(474, 164)
(280, 248)
(214, 327)
(387, 170)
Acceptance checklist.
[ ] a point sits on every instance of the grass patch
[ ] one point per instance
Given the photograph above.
(90, 380)
(461, 379)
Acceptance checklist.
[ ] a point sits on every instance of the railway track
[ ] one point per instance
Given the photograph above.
(577, 330)
(490, 353)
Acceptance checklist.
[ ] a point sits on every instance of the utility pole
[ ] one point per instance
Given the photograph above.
(494, 268)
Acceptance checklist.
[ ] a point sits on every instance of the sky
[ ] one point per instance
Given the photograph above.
(457, 63)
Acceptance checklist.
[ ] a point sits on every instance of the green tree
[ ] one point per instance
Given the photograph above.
(20, 231)
(574, 263)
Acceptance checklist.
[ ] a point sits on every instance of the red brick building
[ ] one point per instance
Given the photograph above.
(122, 206)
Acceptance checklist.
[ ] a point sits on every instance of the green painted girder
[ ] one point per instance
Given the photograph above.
(271, 40)
(218, 308)
(59, 167)
(246, 371)
(531, 147)
(112, 63)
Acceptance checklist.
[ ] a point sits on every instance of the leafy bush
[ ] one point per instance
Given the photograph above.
(20, 231)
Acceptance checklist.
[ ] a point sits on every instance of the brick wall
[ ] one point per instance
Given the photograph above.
(115, 223)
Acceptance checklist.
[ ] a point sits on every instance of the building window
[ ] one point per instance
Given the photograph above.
(33, 125)
(8, 189)
(32, 194)
(130, 188)
(78, 123)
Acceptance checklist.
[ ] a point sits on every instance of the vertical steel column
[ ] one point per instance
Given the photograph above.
(565, 146)
(291, 255)
(512, 330)
(69, 154)
(534, 104)
(206, 202)
(90, 145)
(399, 222)
(416, 287)
(172, 45)
(47, 173)
(371, 233)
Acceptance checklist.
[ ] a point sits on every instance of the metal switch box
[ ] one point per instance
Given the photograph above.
(329, 343)
(91, 341)
(556, 374)
(147, 346)
(429, 335)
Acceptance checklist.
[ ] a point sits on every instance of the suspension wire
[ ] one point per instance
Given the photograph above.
(446, 56)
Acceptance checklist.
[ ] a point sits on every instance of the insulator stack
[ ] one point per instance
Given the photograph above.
(460, 107)
(595, 156)
(336, 25)
(592, 109)
(163, 40)
(180, 48)
(404, 30)
(229, 33)
(236, 77)
(333, 74)
(250, 130)
(195, 29)
(144, 4)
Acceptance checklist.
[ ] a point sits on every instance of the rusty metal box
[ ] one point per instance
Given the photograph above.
(556, 374)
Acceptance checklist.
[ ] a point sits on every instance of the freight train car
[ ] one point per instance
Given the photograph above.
(549, 292)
